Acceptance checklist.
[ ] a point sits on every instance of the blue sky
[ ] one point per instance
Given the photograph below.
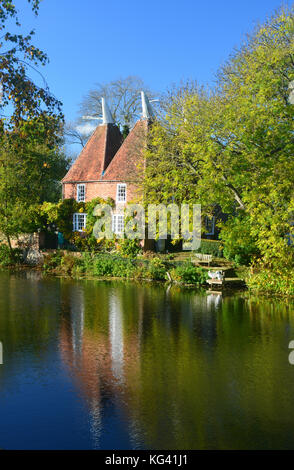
(163, 41)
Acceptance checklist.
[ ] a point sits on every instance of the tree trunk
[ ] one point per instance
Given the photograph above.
(10, 247)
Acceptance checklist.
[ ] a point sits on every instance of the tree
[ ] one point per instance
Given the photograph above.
(233, 145)
(76, 133)
(19, 56)
(31, 158)
(123, 97)
(30, 173)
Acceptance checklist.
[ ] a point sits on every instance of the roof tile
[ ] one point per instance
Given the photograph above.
(96, 155)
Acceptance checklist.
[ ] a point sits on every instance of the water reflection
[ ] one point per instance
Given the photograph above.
(148, 367)
(77, 321)
(116, 337)
(214, 300)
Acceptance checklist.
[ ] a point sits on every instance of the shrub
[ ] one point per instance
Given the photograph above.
(72, 265)
(276, 282)
(211, 247)
(60, 216)
(52, 261)
(8, 257)
(141, 272)
(157, 269)
(102, 266)
(110, 266)
(148, 254)
(123, 268)
(189, 274)
(107, 265)
(130, 247)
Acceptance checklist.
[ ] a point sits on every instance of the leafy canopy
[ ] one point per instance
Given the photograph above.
(233, 146)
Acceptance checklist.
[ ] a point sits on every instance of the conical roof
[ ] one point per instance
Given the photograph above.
(96, 155)
(128, 161)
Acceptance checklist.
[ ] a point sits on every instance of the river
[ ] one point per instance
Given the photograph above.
(123, 365)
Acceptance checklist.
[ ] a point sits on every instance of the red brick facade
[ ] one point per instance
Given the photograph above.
(103, 189)
(106, 161)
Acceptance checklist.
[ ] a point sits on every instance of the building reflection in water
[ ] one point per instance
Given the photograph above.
(97, 353)
(155, 368)
(140, 358)
(77, 315)
(103, 339)
(116, 337)
(81, 356)
(214, 300)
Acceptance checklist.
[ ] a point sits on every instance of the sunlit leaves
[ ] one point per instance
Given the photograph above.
(233, 146)
(19, 59)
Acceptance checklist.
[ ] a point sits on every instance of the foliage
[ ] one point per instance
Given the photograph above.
(31, 159)
(9, 257)
(211, 247)
(60, 216)
(148, 254)
(129, 247)
(29, 170)
(18, 57)
(52, 261)
(233, 146)
(240, 245)
(189, 274)
(115, 267)
(271, 281)
(157, 269)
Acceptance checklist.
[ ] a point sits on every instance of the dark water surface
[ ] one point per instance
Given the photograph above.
(113, 365)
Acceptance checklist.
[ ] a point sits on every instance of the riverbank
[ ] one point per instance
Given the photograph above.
(173, 268)
(179, 268)
(106, 265)
(273, 282)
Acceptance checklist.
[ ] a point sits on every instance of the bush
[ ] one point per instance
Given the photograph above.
(157, 269)
(141, 272)
(110, 266)
(130, 247)
(61, 215)
(107, 265)
(189, 274)
(52, 261)
(148, 254)
(211, 247)
(275, 282)
(8, 257)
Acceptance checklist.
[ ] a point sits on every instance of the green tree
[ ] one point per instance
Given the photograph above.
(233, 145)
(18, 57)
(31, 158)
(30, 171)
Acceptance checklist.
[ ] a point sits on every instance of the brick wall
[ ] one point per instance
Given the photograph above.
(100, 189)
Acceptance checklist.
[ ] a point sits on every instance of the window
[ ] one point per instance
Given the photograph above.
(81, 192)
(117, 223)
(209, 225)
(121, 193)
(79, 222)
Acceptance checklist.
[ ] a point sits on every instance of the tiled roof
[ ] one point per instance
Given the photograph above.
(125, 166)
(96, 155)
